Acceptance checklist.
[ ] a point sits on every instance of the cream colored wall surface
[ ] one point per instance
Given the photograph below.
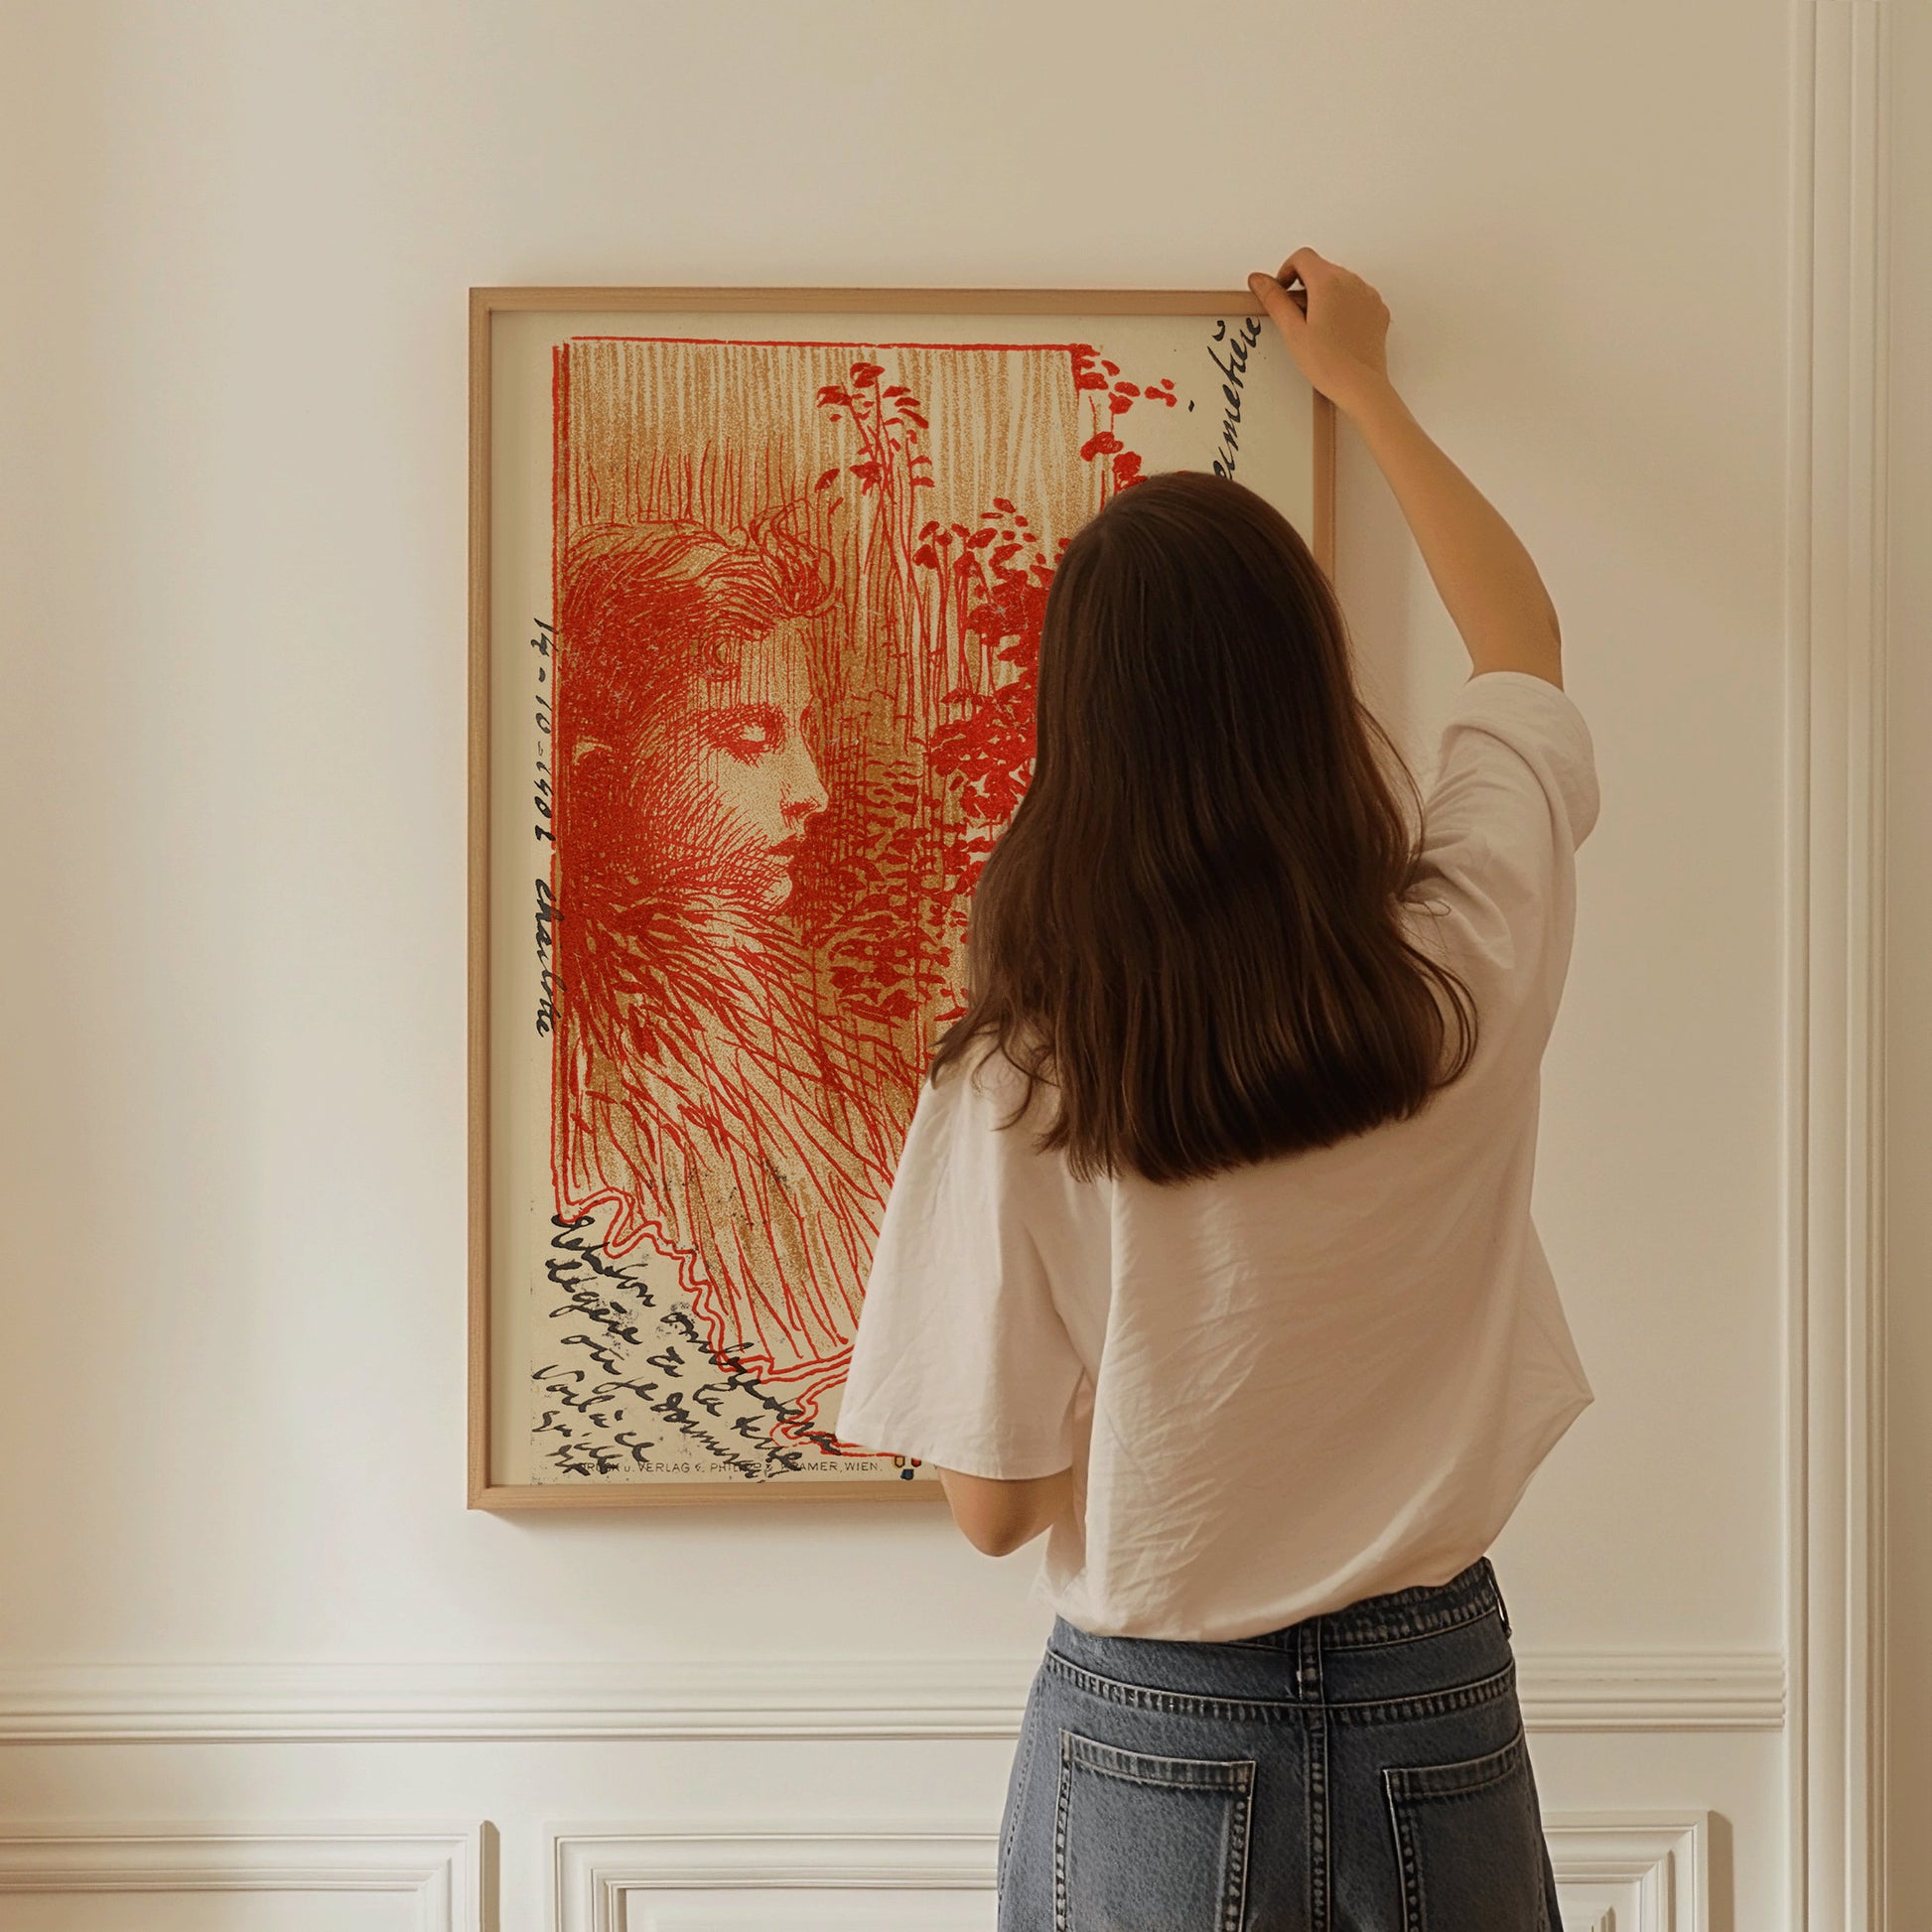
(232, 518)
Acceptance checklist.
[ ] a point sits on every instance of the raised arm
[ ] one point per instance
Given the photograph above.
(1335, 326)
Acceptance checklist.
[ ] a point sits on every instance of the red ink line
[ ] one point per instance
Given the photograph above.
(747, 341)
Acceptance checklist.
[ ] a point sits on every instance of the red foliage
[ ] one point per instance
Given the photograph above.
(928, 824)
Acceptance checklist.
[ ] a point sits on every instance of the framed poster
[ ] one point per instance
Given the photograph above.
(757, 582)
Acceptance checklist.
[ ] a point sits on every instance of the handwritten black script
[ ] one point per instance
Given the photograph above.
(544, 642)
(1234, 368)
(599, 1381)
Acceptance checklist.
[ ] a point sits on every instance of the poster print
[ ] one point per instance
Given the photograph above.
(758, 584)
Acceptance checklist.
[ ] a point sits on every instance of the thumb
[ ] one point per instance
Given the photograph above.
(1273, 297)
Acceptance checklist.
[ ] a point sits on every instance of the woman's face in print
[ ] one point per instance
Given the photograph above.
(728, 781)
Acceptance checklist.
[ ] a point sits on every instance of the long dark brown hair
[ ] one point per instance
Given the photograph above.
(1191, 927)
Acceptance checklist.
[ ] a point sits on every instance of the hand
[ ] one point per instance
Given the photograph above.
(1335, 326)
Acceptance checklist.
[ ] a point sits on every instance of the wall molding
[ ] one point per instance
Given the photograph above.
(1834, 1046)
(1633, 1871)
(1628, 1871)
(439, 1867)
(594, 1870)
(815, 1698)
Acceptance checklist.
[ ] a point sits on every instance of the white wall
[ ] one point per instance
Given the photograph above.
(234, 524)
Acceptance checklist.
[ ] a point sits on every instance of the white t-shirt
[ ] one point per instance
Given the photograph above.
(1285, 1386)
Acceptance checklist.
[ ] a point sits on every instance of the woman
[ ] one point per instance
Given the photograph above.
(1210, 1251)
(697, 1086)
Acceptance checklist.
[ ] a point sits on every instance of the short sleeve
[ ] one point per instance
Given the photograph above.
(1515, 794)
(961, 1358)
(1553, 769)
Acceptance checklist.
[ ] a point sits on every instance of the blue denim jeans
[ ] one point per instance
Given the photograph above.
(1364, 1770)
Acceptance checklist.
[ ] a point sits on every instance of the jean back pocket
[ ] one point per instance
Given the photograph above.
(1150, 1844)
(1469, 1844)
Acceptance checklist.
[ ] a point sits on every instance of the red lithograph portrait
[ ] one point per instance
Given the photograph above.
(762, 613)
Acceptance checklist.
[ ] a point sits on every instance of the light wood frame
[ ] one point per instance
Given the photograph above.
(484, 305)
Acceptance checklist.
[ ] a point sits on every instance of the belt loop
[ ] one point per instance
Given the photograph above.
(1307, 1659)
(1502, 1608)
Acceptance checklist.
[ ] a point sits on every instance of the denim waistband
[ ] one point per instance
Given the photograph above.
(1407, 1653)
(1393, 1616)
(1396, 1614)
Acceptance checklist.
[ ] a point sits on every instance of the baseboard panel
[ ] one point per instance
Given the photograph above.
(1618, 1871)
(437, 1867)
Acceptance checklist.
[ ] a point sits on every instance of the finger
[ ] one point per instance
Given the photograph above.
(1297, 294)
(1281, 303)
(1305, 264)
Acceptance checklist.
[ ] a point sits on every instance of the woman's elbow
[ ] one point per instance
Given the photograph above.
(998, 1515)
(1002, 1539)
